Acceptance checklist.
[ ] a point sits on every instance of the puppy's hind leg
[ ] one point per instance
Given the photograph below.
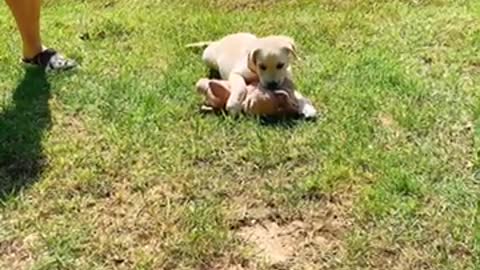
(209, 56)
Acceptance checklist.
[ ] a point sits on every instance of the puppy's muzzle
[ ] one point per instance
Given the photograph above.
(272, 85)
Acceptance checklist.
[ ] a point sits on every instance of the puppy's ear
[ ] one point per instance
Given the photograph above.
(252, 59)
(290, 46)
(288, 43)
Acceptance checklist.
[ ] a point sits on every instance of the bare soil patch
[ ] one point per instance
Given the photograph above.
(311, 239)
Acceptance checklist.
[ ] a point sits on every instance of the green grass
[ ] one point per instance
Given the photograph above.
(113, 167)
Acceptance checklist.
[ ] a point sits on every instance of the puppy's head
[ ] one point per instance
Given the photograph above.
(270, 60)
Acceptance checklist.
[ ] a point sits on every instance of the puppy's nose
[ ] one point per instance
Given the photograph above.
(272, 85)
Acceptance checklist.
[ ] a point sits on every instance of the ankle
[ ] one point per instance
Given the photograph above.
(29, 53)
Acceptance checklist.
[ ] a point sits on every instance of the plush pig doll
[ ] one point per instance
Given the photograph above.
(257, 101)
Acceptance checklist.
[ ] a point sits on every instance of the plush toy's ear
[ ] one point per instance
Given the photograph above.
(282, 95)
(252, 59)
(219, 90)
(286, 99)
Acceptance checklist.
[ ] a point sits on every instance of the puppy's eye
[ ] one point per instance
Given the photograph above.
(280, 65)
(263, 67)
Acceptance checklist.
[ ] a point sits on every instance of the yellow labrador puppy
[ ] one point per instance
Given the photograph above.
(243, 58)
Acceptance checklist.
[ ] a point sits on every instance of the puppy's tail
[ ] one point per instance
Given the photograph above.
(202, 44)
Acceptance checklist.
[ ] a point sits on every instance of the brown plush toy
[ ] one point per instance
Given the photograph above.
(257, 101)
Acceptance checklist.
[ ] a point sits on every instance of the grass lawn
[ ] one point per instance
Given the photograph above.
(113, 167)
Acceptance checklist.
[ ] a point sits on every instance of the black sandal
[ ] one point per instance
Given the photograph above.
(50, 60)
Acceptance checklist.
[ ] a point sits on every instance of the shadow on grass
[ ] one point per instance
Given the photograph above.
(22, 125)
(282, 122)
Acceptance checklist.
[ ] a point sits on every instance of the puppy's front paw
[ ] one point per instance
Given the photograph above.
(308, 111)
(202, 85)
(234, 107)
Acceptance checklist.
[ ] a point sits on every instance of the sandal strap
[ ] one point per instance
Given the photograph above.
(42, 59)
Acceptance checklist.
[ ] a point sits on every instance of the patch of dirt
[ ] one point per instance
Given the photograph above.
(455, 144)
(475, 67)
(391, 128)
(230, 263)
(313, 238)
(275, 243)
(71, 123)
(14, 255)
(386, 120)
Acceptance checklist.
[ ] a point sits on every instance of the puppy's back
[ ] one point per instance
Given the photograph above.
(227, 53)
